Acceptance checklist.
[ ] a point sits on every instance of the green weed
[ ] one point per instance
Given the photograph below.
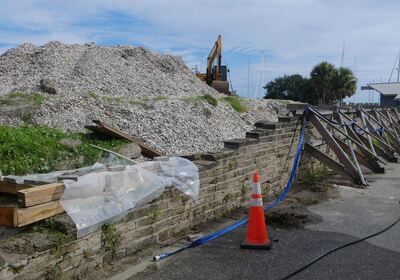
(145, 100)
(209, 99)
(155, 214)
(228, 197)
(315, 176)
(137, 102)
(206, 97)
(377, 143)
(114, 99)
(16, 98)
(91, 94)
(50, 226)
(236, 103)
(109, 240)
(26, 117)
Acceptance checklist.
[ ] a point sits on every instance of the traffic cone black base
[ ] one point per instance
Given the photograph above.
(246, 245)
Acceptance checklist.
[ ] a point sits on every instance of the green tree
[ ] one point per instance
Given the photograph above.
(343, 83)
(321, 80)
(291, 87)
(326, 85)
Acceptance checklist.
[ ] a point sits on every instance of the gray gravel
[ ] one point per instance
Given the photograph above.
(143, 93)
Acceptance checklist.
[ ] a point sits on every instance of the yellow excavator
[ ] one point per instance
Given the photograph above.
(216, 75)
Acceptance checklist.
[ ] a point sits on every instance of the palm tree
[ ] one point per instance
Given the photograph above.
(343, 83)
(321, 76)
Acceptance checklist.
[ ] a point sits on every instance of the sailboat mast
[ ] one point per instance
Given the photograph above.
(398, 68)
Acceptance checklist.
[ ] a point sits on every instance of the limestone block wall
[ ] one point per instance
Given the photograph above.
(225, 177)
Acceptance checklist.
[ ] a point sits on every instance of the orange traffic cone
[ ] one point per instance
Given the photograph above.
(257, 236)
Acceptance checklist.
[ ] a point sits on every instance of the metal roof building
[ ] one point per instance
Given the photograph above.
(389, 92)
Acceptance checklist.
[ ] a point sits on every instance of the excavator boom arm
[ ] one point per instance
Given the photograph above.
(215, 52)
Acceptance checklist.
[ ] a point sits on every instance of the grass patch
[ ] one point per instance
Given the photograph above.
(206, 97)
(143, 101)
(91, 94)
(37, 149)
(114, 99)
(316, 176)
(136, 102)
(17, 98)
(209, 99)
(236, 103)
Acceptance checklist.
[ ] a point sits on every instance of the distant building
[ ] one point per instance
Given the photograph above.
(389, 92)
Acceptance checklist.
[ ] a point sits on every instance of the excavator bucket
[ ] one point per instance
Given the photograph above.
(221, 86)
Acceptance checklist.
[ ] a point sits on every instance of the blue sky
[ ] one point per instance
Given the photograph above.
(290, 35)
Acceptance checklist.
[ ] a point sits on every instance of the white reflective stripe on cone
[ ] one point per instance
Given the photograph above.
(256, 202)
(256, 189)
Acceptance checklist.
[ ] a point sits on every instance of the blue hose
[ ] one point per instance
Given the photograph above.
(281, 197)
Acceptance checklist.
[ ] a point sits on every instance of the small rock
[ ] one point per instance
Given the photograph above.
(131, 150)
(48, 86)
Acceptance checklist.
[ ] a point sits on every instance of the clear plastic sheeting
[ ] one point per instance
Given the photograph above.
(97, 198)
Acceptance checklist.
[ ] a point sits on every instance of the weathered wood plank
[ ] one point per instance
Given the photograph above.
(371, 132)
(343, 158)
(12, 188)
(14, 216)
(355, 139)
(367, 162)
(26, 216)
(379, 151)
(388, 134)
(7, 216)
(40, 194)
(106, 129)
(350, 150)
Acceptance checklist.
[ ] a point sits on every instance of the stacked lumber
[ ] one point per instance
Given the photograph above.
(23, 204)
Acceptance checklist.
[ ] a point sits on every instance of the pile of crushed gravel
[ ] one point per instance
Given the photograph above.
(153, 96)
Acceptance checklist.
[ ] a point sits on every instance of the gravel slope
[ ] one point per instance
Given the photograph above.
(153, 96)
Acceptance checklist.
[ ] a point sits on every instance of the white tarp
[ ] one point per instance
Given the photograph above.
(97, 198)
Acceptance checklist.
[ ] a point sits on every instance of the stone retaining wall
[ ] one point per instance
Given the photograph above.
(225, 185)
